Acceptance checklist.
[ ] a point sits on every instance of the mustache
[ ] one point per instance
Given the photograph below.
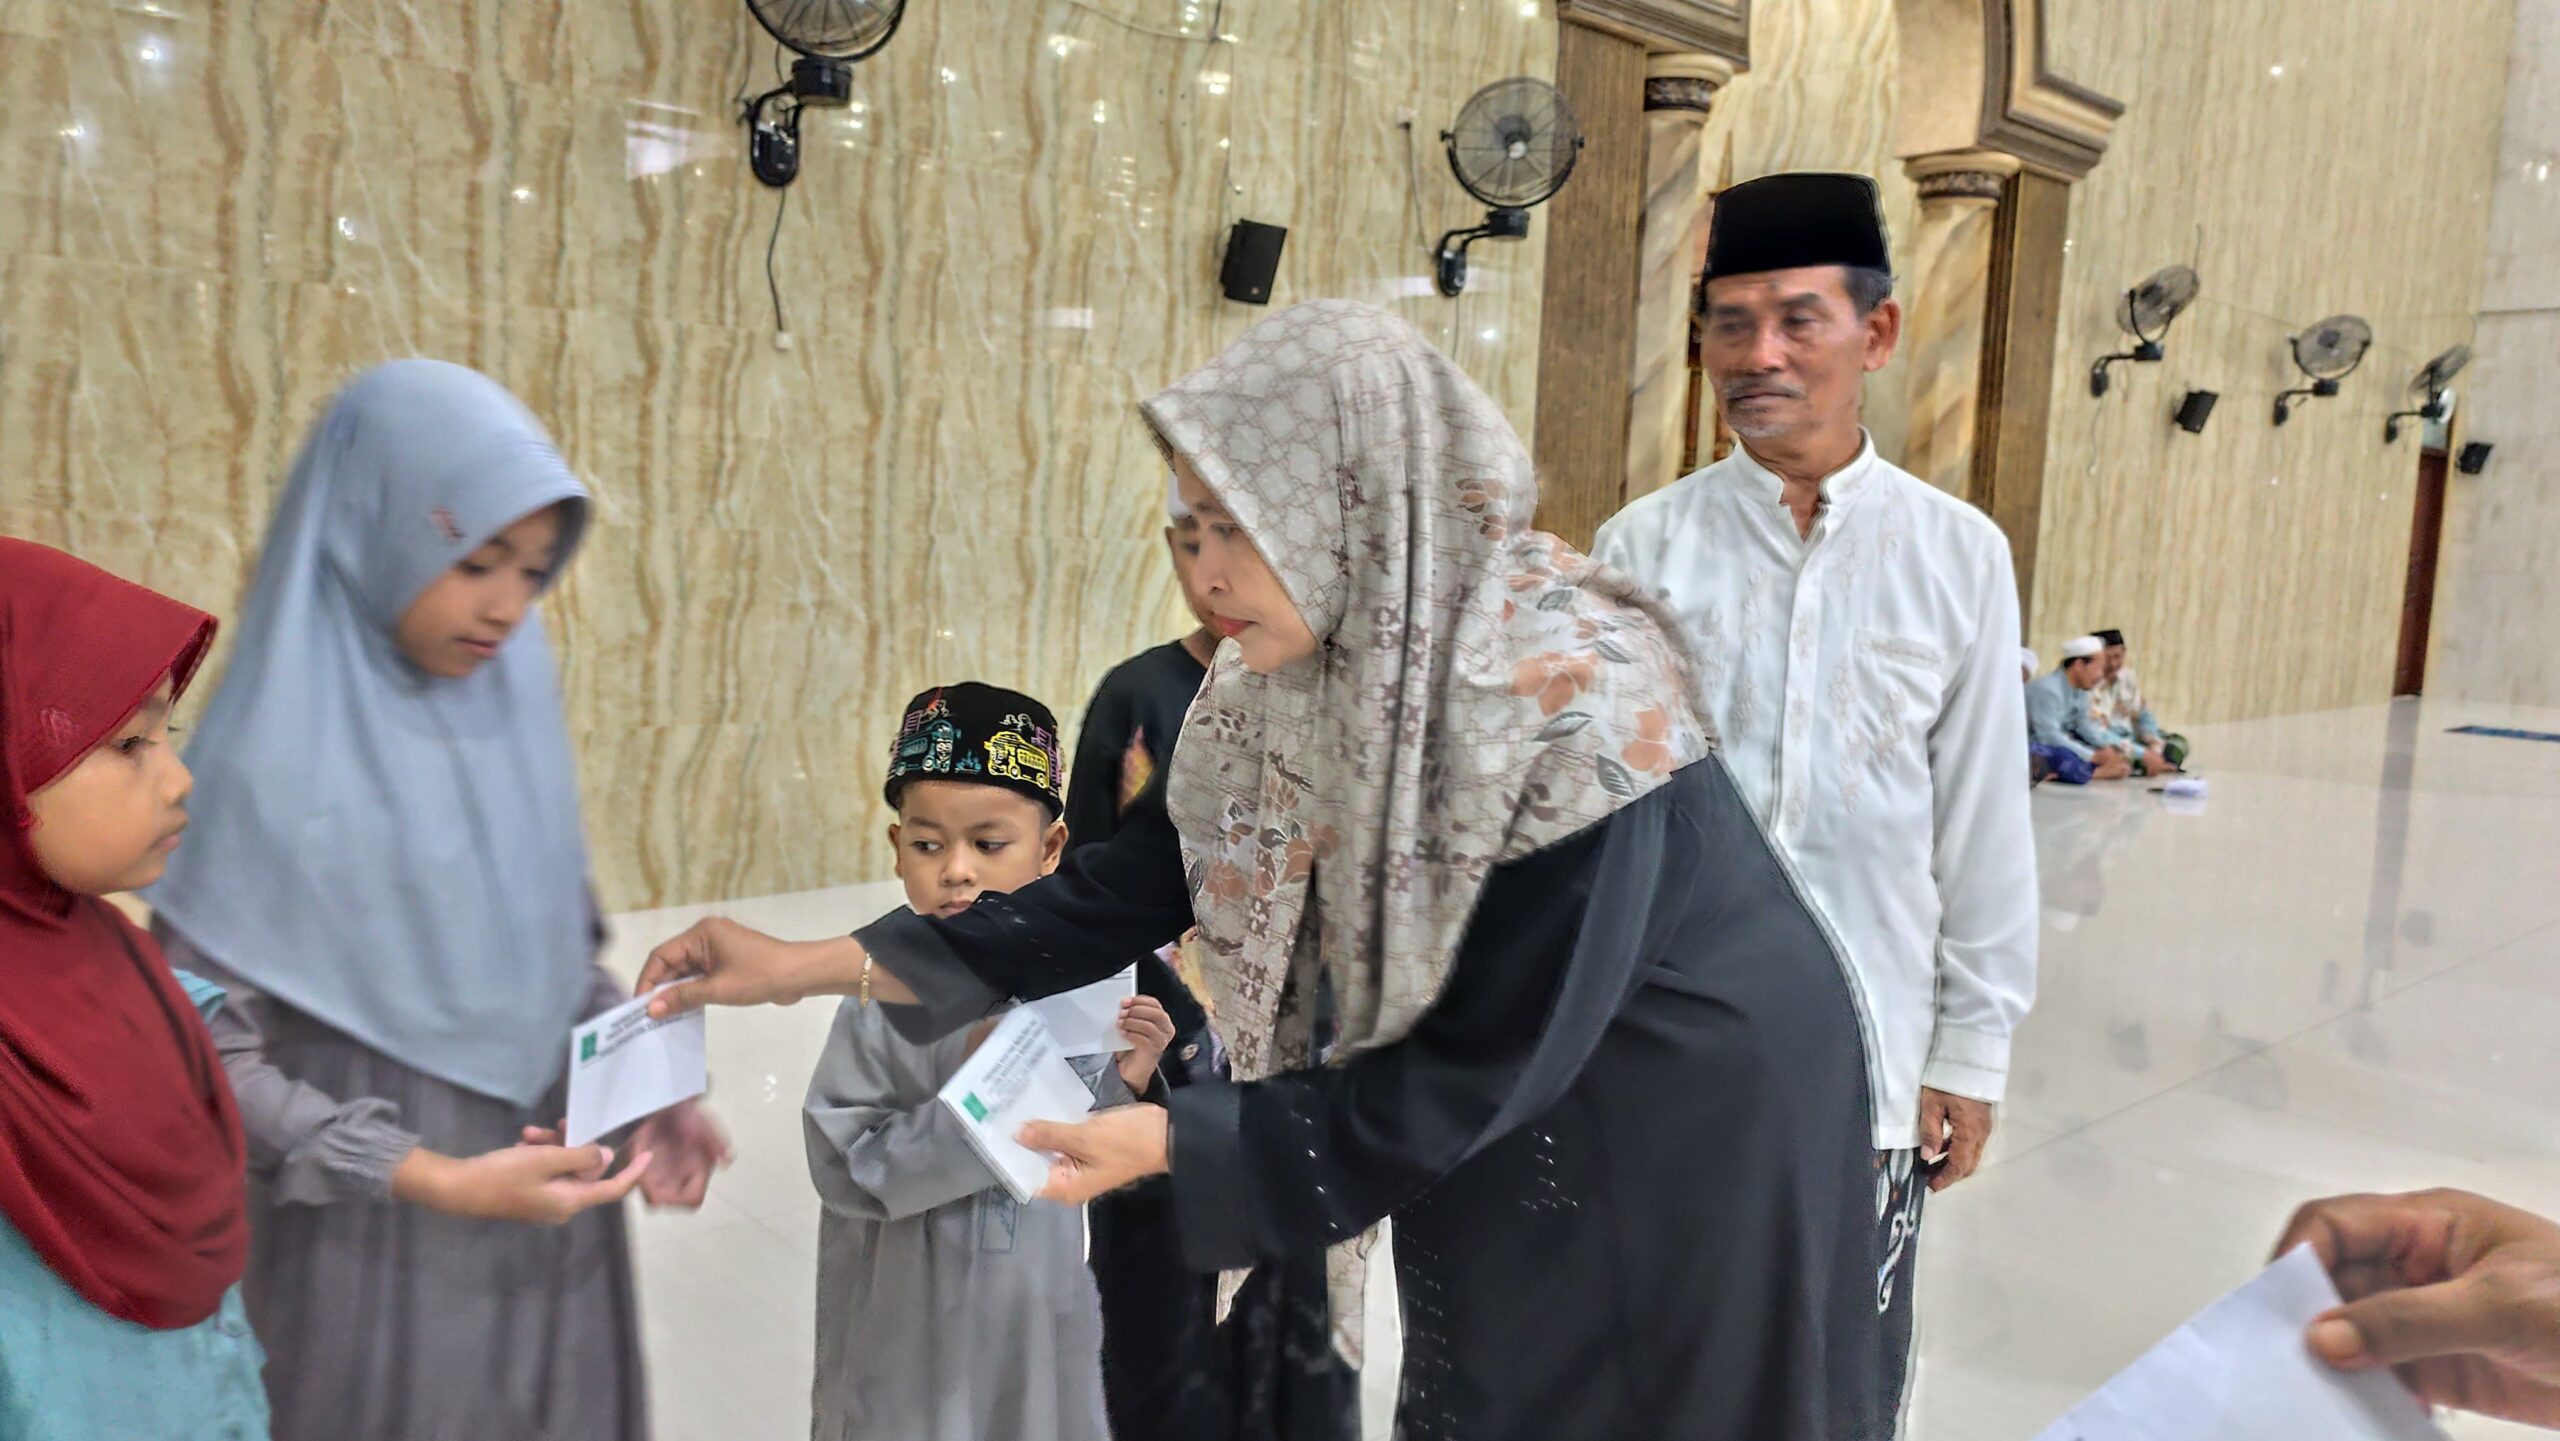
(1736, 389)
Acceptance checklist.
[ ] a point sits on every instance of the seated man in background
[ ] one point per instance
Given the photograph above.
(2058, 711)
(2118, 708)
(2046, 763)
(2040, 765)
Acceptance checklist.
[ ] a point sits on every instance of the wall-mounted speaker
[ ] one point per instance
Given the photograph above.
(2195, 410)
(2474, 458)
(1253, 261)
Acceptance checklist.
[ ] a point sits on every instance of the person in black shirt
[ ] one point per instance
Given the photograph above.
(1158, 1316)
(1128, 730)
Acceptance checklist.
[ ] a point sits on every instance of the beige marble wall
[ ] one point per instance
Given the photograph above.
(2307, 158)
(213, 211)
(2497, 594)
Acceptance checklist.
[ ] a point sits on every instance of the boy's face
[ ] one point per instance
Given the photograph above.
(110, 822)
(1183, 539)
(459, 622)
(959, 840)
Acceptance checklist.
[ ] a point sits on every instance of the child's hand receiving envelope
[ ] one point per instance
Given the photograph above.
(1149, 1032)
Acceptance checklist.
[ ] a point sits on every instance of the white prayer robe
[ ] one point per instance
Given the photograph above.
(1864, 682)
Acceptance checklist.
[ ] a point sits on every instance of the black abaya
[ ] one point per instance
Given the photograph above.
(1627, 1153)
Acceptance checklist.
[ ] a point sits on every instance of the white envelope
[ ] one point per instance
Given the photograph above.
(1086, 1020)
(2240, 1372)
(1017, 1076)
(623, 1066)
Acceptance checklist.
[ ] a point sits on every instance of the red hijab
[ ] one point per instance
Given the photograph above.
(121, 1159)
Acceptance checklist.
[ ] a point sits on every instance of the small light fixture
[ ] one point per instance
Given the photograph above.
(2474, 457)
(2195, 410)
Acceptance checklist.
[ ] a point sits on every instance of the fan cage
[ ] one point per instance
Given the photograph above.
(830, 29)
(1514, 143)
(2165, 295)
(2333, 347)
(2436, 374)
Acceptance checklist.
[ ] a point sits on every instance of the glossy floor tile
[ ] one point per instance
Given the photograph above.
(2342, 972)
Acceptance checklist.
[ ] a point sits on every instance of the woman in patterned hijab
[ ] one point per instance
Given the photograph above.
(1498, 949)
(1472, 690)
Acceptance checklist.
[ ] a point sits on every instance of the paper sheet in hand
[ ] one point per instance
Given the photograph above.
(1086, 1020)
(2240, 1372)
(1018, 1076)
(623, 1066)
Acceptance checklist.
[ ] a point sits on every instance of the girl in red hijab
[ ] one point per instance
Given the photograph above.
(122, 1228)
(123, 1221)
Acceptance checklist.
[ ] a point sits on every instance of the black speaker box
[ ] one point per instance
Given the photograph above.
(1253, 259)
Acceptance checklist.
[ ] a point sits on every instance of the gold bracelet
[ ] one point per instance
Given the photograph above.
(865, 993)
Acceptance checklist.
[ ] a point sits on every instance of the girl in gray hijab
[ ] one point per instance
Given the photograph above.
(390, 875)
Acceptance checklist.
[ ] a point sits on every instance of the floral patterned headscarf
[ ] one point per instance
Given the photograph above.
(1482, 690)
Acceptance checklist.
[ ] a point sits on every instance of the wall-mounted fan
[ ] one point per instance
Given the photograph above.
(1513, 146)
(2145, 315)
(830, 35)
(2428, 386)
(2326, 352)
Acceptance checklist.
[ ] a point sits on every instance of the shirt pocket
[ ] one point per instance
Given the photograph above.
(1888, 697)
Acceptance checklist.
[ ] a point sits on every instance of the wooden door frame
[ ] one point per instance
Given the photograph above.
(2418, 587)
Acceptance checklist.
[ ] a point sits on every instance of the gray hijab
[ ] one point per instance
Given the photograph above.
(398, 855)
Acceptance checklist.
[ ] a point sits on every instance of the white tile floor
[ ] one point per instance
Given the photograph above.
(2343, 974)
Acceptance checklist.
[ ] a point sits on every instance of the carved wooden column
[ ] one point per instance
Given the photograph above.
(1995, 138)
(1946, 307)
(1678, 89)
(1592, 311)
(1587, 316)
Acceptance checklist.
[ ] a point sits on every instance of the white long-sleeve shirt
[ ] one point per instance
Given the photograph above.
(1864, 681)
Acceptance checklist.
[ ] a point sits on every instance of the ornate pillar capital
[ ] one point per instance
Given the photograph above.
(1684, 80)
(1968, 175)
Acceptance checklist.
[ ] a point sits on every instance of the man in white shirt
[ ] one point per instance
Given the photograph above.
(1855, 629)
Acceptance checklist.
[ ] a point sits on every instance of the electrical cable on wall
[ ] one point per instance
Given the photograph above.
(772, 282)
(1413, 184)
(781, 330)
(1217, 22)
(829, 37)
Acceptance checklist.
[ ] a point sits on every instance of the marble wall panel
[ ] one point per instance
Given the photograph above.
(2307, 159)
(213, 211)
(2497, 598)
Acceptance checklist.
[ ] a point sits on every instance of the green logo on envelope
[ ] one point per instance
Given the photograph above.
(587, 1047)
(976, 1108)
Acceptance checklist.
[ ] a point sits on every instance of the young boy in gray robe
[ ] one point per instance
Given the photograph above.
(946, 1310)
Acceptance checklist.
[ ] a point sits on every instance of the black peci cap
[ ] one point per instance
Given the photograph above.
(1811, 217)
